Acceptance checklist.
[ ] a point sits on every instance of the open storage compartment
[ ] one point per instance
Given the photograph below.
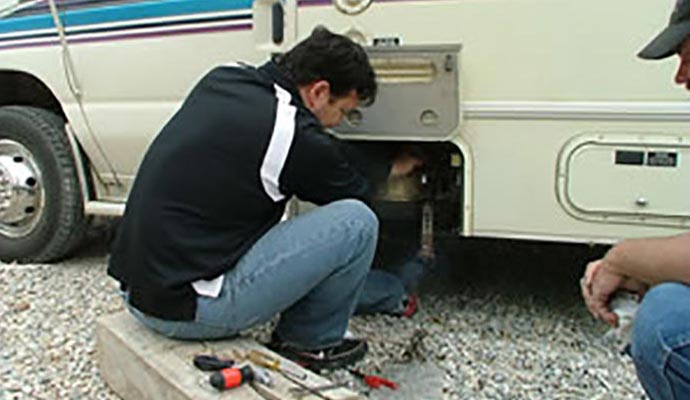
(416, 209)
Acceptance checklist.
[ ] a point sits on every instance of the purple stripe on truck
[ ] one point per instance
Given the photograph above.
(129, 36)
(302, 3)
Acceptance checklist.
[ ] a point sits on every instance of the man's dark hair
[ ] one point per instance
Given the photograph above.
(334, 58)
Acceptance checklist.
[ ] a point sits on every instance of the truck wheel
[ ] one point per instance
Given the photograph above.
(41, 205)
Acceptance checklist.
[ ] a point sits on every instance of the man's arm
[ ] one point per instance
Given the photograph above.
(652, 260)
(371, 159)
(321, 169)
(377, 163)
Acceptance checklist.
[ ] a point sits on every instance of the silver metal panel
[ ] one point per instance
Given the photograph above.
(418, 93)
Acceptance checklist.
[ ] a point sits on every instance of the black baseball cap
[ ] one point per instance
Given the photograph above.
(666, 43)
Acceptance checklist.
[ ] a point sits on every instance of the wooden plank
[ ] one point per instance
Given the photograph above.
(139, 364)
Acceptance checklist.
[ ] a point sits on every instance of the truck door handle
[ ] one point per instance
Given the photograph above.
(277, 21)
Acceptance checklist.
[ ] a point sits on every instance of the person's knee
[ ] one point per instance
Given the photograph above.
(357, 211)
(653, 319)
(660, 325)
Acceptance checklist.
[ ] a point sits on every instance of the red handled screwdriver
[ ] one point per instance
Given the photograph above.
(373, 381)
(228, 378)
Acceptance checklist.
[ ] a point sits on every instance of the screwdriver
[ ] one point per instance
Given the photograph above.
(373, 381)
(228, 378)
(264, 360)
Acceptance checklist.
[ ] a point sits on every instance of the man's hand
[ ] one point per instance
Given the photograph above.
(598, 285)
(404, 164)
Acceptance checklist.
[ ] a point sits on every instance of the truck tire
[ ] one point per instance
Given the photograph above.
(41, 205)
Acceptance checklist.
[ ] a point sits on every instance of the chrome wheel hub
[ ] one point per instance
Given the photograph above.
(21, 190)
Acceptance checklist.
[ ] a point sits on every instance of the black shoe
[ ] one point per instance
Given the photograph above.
(346, 353)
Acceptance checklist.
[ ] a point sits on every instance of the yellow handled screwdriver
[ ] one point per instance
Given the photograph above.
(269, 362)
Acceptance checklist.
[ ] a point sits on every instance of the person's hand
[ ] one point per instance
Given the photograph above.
(404, 164)
(598, 285)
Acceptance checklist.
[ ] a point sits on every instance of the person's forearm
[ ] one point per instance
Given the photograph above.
(652, 260)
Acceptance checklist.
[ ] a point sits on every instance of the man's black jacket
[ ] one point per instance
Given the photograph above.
(217, 178)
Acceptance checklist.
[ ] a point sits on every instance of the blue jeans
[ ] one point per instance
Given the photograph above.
(661, 342)
(310, 269)
(386, 291)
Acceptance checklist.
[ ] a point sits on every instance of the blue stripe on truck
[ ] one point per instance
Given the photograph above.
(88, 31)
(125, 12)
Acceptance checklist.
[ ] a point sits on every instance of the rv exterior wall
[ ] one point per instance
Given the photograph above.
(532, 76)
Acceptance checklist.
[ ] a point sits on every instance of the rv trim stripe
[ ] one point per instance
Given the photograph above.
(119, 13)
(140, 20)
(134, 35)
(571, 110)
(111, 28)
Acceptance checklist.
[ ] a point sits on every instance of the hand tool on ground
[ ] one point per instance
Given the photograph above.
(267, 361)
(411, 306)
(373, 381)
(211, 363)
(226, 376)
(427, 250)
(303, 385)
(315, 390)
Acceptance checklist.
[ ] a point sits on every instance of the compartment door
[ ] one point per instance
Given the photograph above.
(626, 178)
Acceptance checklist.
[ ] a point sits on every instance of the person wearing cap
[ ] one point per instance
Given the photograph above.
(673, 40)
(656, 268)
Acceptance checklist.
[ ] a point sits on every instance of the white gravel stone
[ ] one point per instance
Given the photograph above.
(484, 344)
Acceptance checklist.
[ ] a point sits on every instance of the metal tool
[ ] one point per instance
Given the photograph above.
(303, 391)
(427, 241)
(306, 387)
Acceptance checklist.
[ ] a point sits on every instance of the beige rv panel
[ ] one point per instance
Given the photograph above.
(131, 88)
(533, 76)
(526, 50)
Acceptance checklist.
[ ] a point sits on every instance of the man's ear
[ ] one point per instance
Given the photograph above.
(318, 94)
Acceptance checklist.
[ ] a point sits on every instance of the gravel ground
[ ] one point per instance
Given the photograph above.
(494, 330)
